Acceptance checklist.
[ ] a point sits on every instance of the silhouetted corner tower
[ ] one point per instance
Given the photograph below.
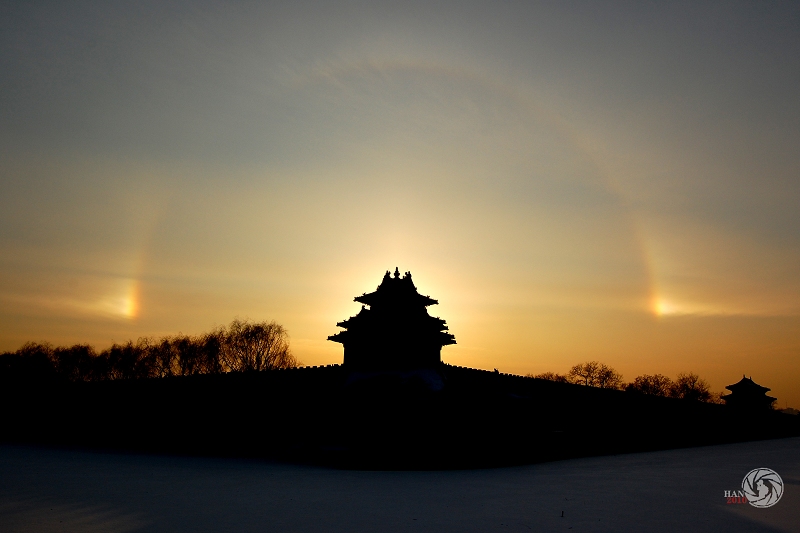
(747, 394)
(393, 330)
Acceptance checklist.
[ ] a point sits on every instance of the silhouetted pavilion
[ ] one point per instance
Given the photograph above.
(393, 330)
(747, 394)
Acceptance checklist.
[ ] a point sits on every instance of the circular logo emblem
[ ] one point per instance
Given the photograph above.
(763, 487)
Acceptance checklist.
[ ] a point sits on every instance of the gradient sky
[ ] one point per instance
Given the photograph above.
(571, 180)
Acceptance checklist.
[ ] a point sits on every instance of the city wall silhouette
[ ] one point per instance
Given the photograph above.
(392, 404)
(478, 418)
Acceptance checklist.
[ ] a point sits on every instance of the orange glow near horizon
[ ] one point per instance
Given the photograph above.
(548, 182)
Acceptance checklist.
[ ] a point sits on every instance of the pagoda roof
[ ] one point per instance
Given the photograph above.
(393, 329)
(396, 290)
(747, 385)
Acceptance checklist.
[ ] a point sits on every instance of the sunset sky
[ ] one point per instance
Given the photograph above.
(571, 180)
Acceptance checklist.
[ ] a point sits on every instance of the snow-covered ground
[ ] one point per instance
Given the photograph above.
(679, 490)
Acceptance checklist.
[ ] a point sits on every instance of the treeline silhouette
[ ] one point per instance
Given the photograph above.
(241, 346)
(687, 385)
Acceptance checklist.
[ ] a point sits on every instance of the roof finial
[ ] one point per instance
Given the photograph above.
(396, 272)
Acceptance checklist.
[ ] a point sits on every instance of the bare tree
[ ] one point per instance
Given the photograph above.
(131, 360)
(595, 374)
(188, 355)
(690, 387)
(716, 397)
(584, 373)
(655, 384)
(75, 362)
(31, 360)
(257, 346)
(550, 376)
(211, 352)
(163, 356)
(608, 378)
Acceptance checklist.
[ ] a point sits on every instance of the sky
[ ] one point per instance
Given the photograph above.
(572, 181)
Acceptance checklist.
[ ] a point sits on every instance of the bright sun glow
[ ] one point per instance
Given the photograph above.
(130, 303)
(661, 307)
(125, 305)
